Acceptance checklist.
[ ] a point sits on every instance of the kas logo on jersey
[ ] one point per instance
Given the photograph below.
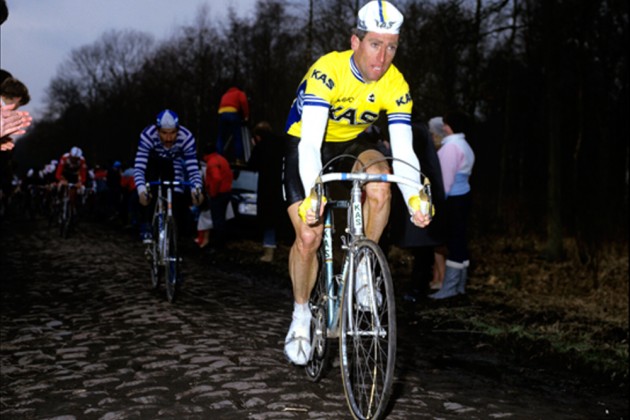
(323, 77)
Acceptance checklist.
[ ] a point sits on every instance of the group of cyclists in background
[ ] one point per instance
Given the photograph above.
(102, 192)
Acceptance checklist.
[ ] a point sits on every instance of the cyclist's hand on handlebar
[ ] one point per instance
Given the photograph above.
(306, 210)
(197, 197)
(144, 198)
(421, 211)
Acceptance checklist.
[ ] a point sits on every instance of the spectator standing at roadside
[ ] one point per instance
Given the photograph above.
(13, 94)
(436, 128)
(266, 159)
(12, 121)
(456, 160)
(404, 234)
(218, 184)
(130, 203)
(233, 114)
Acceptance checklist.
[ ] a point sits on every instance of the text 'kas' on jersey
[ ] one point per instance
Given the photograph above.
(354, 104)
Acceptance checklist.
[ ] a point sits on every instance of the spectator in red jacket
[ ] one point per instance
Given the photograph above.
(218, 185)
(233, 114)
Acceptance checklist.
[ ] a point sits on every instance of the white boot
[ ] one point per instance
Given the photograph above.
(297, 344)
(461, 286)
(452, 278)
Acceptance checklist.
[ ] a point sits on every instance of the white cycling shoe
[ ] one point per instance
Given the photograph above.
(361, 288)
(297, 344)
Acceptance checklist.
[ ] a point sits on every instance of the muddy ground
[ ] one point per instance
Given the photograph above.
(525, 345)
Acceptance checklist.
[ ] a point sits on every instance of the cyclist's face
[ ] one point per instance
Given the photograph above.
(167, 136)
(374, 54)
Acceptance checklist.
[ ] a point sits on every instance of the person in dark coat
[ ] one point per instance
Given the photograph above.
(404, 234)
(267, 159)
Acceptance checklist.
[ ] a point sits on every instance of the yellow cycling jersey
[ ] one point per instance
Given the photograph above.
(335, 82)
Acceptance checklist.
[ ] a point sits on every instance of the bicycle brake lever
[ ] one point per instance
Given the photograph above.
(317, 194)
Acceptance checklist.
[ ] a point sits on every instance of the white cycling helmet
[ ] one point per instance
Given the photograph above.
(167, 119)
(76, 152)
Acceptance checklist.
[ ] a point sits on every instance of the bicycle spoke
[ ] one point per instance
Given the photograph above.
(368, 339)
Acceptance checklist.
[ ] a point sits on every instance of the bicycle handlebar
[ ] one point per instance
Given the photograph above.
(167, 183)
(366, 177)
(171, 183)
(423, 201)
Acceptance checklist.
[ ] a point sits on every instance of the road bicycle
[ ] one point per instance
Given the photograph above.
(365, 328)
(66, 208)
(161, 251)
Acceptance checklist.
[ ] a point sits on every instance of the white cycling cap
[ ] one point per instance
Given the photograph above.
(381, 17)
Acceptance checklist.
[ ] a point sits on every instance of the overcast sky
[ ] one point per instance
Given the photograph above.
(39, 34)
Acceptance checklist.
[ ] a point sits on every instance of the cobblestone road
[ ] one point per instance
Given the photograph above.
(84, 337)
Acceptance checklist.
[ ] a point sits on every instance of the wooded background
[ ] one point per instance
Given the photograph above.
(546, 81)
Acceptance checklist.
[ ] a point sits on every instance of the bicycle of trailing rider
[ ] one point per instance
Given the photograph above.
(162, 250)
(66, 207)
(366, 328)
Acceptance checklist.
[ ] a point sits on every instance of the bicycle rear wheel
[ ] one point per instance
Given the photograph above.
(171, 266)
(316, 366)
(368, 337)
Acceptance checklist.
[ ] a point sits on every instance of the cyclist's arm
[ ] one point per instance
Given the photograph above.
(83, 172)
(314, 120)
(59, 171)
(402, 148)
(191, 164)
(140, 163)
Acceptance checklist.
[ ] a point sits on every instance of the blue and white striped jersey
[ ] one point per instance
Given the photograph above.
(183, 154)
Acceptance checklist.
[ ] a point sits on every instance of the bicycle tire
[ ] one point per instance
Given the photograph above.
(171, 263)
(368, 353)
(154, 256)
(320, 345)
(65, 219)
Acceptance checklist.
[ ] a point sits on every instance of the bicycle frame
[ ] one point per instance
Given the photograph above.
(354, 232)
(362, 318)
(163, 250)
(164, 210)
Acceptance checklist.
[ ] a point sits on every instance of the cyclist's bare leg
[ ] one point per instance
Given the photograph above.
(303, 255)
(303, 272)
(378, 196)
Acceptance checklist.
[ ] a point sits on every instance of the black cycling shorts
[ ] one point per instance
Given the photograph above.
(293, 189)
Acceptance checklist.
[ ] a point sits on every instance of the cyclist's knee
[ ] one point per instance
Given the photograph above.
(308, 241)
(378, 195)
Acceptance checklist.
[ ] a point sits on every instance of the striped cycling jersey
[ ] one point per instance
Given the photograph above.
(354, 104)
(183, 153)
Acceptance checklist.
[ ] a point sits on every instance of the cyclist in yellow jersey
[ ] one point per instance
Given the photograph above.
(341, 95)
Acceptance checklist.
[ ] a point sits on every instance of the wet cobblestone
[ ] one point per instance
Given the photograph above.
(83, 336)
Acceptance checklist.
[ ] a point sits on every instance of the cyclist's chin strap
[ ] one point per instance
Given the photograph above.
(402, 148)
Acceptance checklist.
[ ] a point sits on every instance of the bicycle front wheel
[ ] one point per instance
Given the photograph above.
(171, 263)
(367, 348)
(65, 220)
(316, 366)
(153, 254)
